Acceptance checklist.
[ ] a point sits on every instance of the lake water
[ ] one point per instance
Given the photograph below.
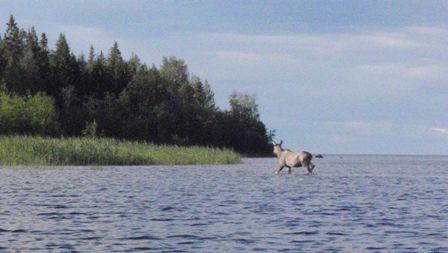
(351, 204)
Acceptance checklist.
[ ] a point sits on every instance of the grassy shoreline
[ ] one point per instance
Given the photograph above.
(41, 151)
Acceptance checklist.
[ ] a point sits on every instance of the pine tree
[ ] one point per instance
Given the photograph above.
(82, 80)
(30, 64)
(2, 62)
(115, 58)
(32, 42)
(13, 51)
(117, 70)
(99, 77)
(61, 57)
(44, 64)
(91, 61)
(63, 72)
(43, 43)
(12, 40)
(101, 60)
(133, 65)
(87, 69)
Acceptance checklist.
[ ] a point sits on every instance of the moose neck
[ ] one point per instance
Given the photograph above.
(279, 153)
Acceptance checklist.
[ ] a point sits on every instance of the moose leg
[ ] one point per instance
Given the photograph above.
(281, 167)
(310, 168)
(289, 170)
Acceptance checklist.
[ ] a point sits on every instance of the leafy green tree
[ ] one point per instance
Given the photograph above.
(143, 101)
(251, 134)
(244, 105)
(174, 70)
(30, 114)
(107, 113)
(72, 114)
(174, 77)
(90, 130)
(203, 94)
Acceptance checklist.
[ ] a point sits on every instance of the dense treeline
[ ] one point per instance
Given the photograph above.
(109, 96)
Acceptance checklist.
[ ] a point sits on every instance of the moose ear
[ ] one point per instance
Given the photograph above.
(274, 143)
(281, 142)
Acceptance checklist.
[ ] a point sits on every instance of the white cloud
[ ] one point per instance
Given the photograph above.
(439, 130)
(370, 128)
(428, 30)
(390, 41)
(360, 127)
(312, 43)
(317, 67)
(426, 70)
(407, 38)
(250, 56)
(379, 127)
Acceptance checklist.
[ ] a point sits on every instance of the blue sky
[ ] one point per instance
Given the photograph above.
(329, 76)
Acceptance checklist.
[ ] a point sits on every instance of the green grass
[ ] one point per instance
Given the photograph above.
(39, 151)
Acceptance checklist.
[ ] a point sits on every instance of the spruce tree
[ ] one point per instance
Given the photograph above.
(91, 61)
(62, 68)
(44, 64)
(31, 78)
(99, 77)
(12, 40)
(2, 62)
(61, 56)
(133, 65)
(117, 70)
(115, 58)
(13, 52)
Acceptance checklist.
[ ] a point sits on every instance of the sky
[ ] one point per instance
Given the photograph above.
(331, 77)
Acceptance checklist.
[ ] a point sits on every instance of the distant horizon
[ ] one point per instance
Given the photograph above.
(376, 155)
(356, 77)
(324, 154)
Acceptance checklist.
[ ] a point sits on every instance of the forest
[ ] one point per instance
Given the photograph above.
(53, 92)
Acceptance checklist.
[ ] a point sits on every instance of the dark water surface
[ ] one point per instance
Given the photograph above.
(351, 204)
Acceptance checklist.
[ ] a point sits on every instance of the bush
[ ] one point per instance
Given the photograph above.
(30, 114)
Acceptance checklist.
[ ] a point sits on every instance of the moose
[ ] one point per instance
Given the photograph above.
(288, 158)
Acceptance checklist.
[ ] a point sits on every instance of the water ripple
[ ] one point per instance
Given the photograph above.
(352, 204)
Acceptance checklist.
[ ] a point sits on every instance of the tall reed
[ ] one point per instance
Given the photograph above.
(27, 150)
